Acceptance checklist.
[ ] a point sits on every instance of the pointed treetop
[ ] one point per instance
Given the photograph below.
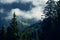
(14, 15)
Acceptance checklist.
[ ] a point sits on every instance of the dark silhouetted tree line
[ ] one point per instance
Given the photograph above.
(51, 24)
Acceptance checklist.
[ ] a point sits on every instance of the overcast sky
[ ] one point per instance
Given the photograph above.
(26, 8)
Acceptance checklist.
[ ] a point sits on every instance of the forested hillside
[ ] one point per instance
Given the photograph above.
(47, 29)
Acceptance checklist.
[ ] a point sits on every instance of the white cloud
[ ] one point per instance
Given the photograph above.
(35, 2)
(34, 13)
(56, 0)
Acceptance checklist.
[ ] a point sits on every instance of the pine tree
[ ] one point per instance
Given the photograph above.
(37, 37)
(3, 33)
(48, 23)
(13, 30)
(27, 36)
(58, 9)
(56, 32)
(58, 12)
(50, 9)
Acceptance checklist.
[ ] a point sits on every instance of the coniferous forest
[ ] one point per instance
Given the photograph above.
(48, 29)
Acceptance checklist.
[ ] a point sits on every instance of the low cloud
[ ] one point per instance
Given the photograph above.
(35, 2)
(34, 13)
(27, 9)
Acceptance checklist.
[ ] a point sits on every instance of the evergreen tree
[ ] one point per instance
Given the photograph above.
(48, 23)
(27, 36)
(46, 28)
(3, 33)
(50, 9)
(58, 13)
(56, 32)
(37, 37)
(12, 30)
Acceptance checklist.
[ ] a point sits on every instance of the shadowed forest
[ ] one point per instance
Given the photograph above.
(48, 29)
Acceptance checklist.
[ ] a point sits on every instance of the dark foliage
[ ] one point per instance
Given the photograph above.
(48, 29)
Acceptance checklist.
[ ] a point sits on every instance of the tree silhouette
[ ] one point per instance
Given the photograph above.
(49, 22)
(13, 30)
(3, 33)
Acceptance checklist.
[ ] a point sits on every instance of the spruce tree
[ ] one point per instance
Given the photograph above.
(56, 32)
(50, 9)
(58, 12)
(48, 23)
(27, 36)
(37, 37)
(13, 30)
(3, 33)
